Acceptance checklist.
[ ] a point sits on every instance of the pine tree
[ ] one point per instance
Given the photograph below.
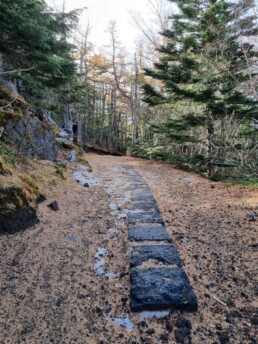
(203, 67)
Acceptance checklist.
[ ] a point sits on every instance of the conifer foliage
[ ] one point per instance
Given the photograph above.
(33, 37)
(202, 72)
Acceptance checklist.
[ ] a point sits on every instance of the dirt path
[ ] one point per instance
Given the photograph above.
(66, 280)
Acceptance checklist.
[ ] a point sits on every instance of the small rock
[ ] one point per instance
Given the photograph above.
(224, 338)
(150, 331)
(124, 299)
(123, 274)
(142, 323)
(164, 337)
(99, 311)
(181, 334)
(184, 327)
(86, 185)
(53, 206)
(183, 322)
(169, 327)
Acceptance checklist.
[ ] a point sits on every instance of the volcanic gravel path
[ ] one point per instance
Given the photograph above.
(67, 279)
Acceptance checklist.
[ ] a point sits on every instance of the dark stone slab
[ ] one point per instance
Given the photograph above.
(132, 173)
(161, 288)
(139, 186)
(145, 217)
(146, 198)
(163, 253)
(127, 167)
(143, 205)
(140, 190)
(135, 186)
(152, 233)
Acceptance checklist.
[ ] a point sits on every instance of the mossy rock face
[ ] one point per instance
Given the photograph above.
(18, 203)
(13, 106)
(15, 197)
(32, 138)
(4, 169)
(18, 196)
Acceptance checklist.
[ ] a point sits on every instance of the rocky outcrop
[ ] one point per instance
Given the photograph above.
(32, 138)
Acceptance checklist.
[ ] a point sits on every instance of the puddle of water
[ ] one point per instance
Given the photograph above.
(152, 314)
(122, 216)
(70, 237)
(124, 322)
(112, 230)
(111, 275)
(127, 199)
(114, 213)
(100, 257)
(119, 223)
(84, 176)
(113, 206)
(136, 211)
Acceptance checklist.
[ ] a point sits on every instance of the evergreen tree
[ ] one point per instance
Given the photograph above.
(203, 67)
(32, 37)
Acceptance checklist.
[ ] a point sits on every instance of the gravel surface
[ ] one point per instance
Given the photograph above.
(66, 280)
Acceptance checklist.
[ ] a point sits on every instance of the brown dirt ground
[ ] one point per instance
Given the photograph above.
(50, 292)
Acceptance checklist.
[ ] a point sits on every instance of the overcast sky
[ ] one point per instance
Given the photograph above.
(101, 12)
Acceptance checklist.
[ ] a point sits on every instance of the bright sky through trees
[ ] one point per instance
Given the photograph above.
(101, 12)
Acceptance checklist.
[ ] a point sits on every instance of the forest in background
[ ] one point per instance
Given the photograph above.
(187, 94)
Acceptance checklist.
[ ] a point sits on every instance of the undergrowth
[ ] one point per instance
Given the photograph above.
(197, 163)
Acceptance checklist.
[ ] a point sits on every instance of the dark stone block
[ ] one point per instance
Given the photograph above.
(145, 217)
(145, 198)
(161, 288)
(164, 253)
(141, 233)
(143, 205)
(127, 167)
(181, 334)
(23, 219)
(142, 189)
(133, 174)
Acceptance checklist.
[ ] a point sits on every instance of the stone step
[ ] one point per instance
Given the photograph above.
(154, 288)
(150, 233)
(161, 288)
(167, 254)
